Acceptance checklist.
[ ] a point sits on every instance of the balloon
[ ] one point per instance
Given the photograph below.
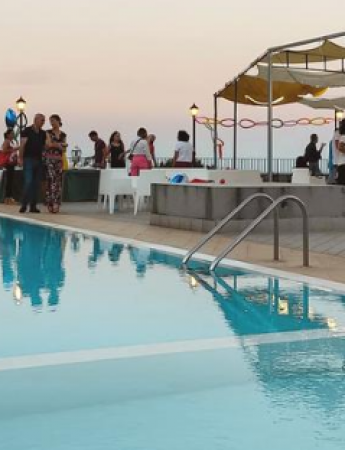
(10, 118)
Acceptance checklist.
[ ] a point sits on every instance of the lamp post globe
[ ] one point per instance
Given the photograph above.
(339, 115)
(194, 110)
(21, 119)
(21, 104)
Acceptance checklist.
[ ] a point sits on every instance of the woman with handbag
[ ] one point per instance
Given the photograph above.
(139, 154)
(8, 160)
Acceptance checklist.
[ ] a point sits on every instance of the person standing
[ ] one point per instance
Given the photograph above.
(184, 152)
(333, 158)
(55, 147)
(140, 154)
(117, 151)
(313, 155)
(30, 157)
(341, 154)
(100, 150)
(151, 140)
(8, 157)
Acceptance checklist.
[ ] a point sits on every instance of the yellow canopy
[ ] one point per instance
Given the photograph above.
(326, 51)
(253, 91)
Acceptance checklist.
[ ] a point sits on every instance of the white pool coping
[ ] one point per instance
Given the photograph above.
(230, 263)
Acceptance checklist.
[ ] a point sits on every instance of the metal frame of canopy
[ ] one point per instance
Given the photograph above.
(267, 57)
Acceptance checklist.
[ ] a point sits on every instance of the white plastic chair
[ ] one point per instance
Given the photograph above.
(300, 176)
(114, 183)
(142, 185)
(120, 185)
(104, 182)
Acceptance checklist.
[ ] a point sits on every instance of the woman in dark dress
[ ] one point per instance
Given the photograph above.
(116, 151)
(55, 146)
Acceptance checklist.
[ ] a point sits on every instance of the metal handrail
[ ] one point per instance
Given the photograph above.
(259, 219)
(227, 219)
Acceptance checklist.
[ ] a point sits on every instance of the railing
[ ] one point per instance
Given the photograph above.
(228, 218)
(259, 219)
(280, 165)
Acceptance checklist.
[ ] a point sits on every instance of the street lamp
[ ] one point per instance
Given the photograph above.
(194, 111)
(338, 117)
(21, 104)
(22, 120)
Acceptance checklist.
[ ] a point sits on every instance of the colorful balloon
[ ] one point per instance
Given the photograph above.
(10, 118)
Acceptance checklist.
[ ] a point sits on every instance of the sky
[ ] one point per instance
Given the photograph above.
(121, 64)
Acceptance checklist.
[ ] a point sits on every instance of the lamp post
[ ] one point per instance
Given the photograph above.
(194, 111)
(338, 117)
(22, 120)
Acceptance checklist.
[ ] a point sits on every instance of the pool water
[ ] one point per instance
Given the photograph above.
(104, 345)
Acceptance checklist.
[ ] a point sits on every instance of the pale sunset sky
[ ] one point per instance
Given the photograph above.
(120, 64)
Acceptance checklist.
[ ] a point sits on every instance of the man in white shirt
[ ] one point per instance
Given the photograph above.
(184, 154)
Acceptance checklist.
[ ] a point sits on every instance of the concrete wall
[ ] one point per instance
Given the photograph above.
(200, 207)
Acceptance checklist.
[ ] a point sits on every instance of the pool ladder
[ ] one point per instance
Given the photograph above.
(273, 207)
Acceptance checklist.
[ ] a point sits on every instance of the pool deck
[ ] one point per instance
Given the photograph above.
(327, 255)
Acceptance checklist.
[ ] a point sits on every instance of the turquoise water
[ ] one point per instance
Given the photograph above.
(280, 384)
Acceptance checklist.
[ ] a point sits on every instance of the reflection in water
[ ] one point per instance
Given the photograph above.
(142, 258)
(307, 371)
(100, 248)
(255, 310)
(32, 262)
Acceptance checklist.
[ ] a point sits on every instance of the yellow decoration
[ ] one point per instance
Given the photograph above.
(64, 160)
(253, 91)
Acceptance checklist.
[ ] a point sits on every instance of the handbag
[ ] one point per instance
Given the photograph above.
(5, 159)
(130, 156)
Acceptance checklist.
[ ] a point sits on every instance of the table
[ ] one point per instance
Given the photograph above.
(79, 185)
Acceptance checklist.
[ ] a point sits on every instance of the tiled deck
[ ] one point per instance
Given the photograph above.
(327, 249)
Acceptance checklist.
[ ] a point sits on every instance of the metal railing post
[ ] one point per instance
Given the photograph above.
(259, 219)
(227, 219)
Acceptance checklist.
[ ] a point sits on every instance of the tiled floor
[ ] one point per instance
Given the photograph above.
(327, 249)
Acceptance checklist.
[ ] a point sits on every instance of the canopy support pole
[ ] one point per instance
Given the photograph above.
(215, 135)
(234, 162)
(269, 119)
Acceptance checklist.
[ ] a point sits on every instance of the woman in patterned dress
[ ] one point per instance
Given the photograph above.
(56, 145)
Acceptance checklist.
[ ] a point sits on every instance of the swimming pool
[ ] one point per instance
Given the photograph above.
(108, 345)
